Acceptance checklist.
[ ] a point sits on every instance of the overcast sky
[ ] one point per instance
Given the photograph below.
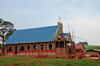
(83, 16)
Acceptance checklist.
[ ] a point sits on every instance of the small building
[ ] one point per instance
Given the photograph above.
(79, 48)
(40, 41)
(93, 52)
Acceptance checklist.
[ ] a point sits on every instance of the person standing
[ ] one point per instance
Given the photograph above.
(59, 37)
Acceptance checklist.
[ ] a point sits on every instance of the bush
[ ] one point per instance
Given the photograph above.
(1, 54)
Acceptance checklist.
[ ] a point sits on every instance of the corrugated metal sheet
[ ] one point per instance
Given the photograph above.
(93, 50)
(66, 34)
(33, 35)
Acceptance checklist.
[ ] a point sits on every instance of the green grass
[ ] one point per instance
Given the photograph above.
(92, 47)
(30, 61)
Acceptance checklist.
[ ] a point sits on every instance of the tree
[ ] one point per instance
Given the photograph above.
(80, 43)
(6, 29)
(84, 43)
(0, 45)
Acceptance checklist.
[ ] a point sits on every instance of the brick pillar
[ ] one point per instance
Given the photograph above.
(38, 47)
(72, 48)
(6, 49)
(25, 48)
(59, 43)
(46, 47)
(67, 49)
(54, 46)
(18, 49)
(13, 49)
(31, 49)
(64, 47)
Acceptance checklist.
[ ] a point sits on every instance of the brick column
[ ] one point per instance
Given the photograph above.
(72, 48)
(54, 46)
(46, 47)
(59, 44)
(18, 49)
(73, 44)
(67, 49)
(25, 48)
(13, 49)
(38, 47)
(64, 47)
(6, 49)
(31, 49)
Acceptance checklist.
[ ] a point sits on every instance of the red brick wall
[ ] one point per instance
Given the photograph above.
(59, 50)
(31, 50)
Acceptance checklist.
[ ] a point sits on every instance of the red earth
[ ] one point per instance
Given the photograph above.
(96, 59)
(13, 65)
(41, 56)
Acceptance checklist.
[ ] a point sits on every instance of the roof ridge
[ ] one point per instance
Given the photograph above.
(36, 28)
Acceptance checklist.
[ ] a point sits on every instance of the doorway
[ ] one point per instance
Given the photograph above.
(15, 50)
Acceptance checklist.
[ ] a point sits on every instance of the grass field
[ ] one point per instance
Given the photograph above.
(92, 47)
(30, 61)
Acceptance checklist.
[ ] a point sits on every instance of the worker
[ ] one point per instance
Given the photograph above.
(80, 55)
(59, 37)
(64, 38)
(76, 57)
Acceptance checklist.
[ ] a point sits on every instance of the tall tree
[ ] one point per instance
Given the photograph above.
(0, 45)
(6, 29)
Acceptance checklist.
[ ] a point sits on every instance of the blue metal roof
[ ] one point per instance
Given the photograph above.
(66, 34)
(33, 35)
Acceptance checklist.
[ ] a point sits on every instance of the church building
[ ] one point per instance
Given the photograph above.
(48, 40)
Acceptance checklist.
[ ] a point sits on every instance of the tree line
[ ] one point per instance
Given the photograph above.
(84, 43)
(6, 29)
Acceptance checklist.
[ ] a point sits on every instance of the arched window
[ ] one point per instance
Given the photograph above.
(34, 47)
(28, 47)
(22, 48)
(10, 48)
(42, 47)
(50, 46)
